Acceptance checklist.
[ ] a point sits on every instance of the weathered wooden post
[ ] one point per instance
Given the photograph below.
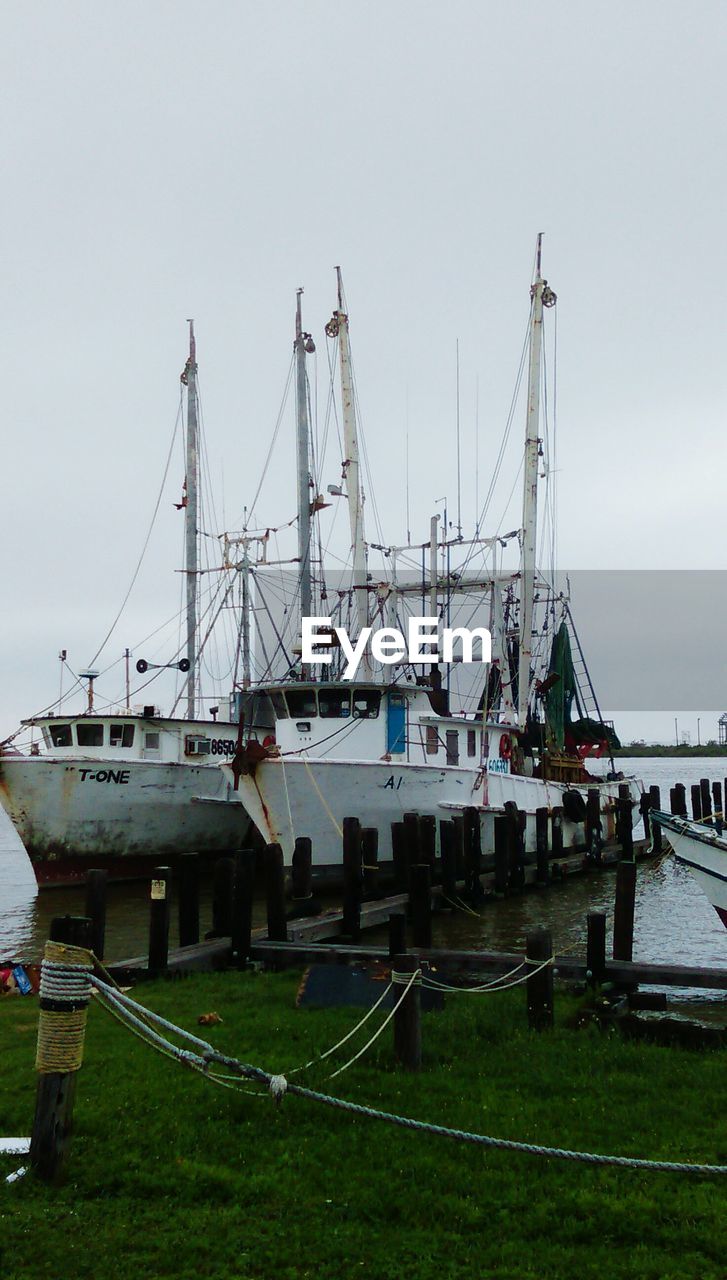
(626, 827)
(673, 801)
(539, 985)
(594, 829)
(681, 798)
(623, 918)
(412, 842)
(706, 797)
(242, 906)
(449, 867)
(502, 826)
(515, 846)
(696, 801)
(655, 803)
(420, 898)
(458, 821)
(274, 870)
(428, 840)
(352, 878)
(96, 883)
(223, 875)
(718, 810)
(472, 854)
(370, 854)
(159, 915)
(541, 845)
(188, 899)
(556, 837)
(408, 1017)
(59, 1058)
(644, 808)
(595, 947)
(398, 856)
(301, 869)
(397, 933)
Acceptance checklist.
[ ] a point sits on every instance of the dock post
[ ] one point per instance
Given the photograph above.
(541, 845)
(644, 808)
(655, 803)
(398, 855)
(540, 985)
(56, 1090)
(623, 917)
(96, 883)
(223, 874)
(301, 869)
(595, 947)
(673, 801)
(428, 840)
(449, 867)
(352, 878)
(680, 792)
(420, 898)
(626, 827)
(472, 855)
(159, 913)
(397, 934)
(706, 796)
(188, 899)
(513, 845)
(412, 842)
(242, 906)
(458, 821)
(408, 1017)
(370, 854)
(718, 810)
(594, 829)
(275, 893)
(502, 825)
(556, 839)
(696, 801)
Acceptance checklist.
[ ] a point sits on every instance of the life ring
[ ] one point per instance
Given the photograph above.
(505, 746)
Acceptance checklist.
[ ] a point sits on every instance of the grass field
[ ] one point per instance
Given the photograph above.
(170, 1176)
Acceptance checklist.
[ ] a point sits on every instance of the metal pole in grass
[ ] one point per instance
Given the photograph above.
(63, 1005)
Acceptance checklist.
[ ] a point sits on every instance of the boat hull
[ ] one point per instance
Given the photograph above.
(74, 813)
(705, 854)
(311, 797)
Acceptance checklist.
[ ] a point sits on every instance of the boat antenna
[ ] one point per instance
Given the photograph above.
(459, 460)
(303, 344)
(189, 378)
(541, 296)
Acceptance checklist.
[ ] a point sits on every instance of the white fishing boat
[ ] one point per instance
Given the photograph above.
(703, 849)
(318, 748)
(129, 787)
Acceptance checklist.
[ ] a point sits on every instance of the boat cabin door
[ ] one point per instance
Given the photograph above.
(396, 723)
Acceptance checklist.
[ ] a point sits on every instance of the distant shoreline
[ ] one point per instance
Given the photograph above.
(635, 749)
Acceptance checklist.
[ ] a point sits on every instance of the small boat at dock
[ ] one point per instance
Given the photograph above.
(703, 849)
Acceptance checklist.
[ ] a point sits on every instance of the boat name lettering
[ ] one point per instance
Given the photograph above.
(222, 747)
(498, 765)
(119, 776)
(392, 784)
(389, 645)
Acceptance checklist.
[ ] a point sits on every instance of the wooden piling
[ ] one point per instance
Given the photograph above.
(370, 855)
(680, 793)
(623, 919)
(244, 888)
(448, 861)
(556, 833)
(673, 801)
(539, 985)
(512, 816)
(159, 915)
(458, 821)
(696, 801)
(397, 933)
(96, 884)
(56, 1090)
(223, 875)
(644, 808)
(502, 826)
(188, 899)
(594, 828)
(717, 803)
(352, 878)
(541, 845)
(408, 1017)
(420, 898)
(655, 803)
(472, 854)
(412, 845)
(626, 826)
(274, 870)
(706, 797)
(301, 869)
(596, 947)
(398, 855)
(428, 840)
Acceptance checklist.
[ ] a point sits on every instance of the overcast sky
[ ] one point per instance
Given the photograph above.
(169, 160)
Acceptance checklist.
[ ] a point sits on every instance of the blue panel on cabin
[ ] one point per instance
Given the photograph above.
(396, 723)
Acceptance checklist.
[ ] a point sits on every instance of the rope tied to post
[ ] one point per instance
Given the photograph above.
(65, 992)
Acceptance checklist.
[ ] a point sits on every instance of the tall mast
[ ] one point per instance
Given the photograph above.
(541, 297)
(303, 343)
(190, 521)
(339, 326)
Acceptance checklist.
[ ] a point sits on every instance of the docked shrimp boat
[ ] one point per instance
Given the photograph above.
(126, 789)
(315, 750)
(703, 849)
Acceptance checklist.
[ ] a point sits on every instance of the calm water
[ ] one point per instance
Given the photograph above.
(674, 922)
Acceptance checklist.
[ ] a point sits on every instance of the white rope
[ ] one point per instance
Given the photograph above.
(347, 1037)
(414, 976)
(497, 985)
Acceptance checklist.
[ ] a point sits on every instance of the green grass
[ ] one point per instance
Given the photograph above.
(170, 1176)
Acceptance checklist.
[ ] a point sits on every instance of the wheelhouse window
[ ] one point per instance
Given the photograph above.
(432, 740)
(89, 735)
(61, 735)
(121, 735)
(452, 746)
(471, 742)
(151, 741)
(334, 704)
(366, 703)
(301, 702)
